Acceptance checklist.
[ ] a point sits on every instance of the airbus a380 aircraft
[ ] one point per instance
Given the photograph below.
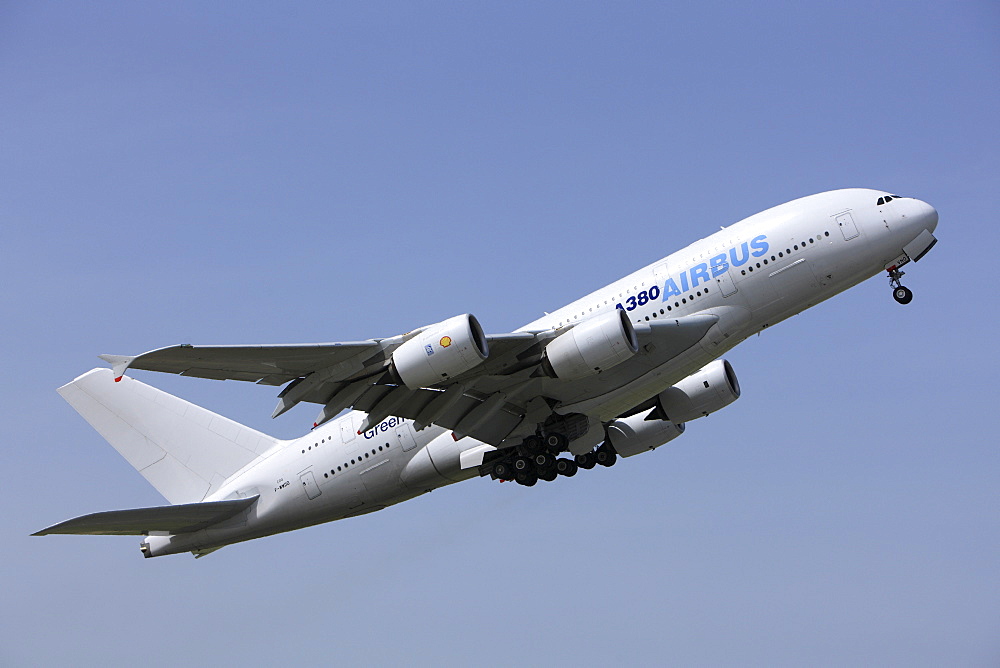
(618, 372)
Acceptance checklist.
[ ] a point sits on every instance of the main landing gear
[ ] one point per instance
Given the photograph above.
(537, 458)
(901, 294)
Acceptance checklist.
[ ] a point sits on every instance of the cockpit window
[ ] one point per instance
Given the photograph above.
(881, 201)
(886, 199)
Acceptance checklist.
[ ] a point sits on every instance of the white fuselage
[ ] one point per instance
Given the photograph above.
(752, 275)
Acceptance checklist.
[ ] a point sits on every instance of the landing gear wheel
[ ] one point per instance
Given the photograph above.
(902, 295)
(606, 457)
(899, 293)
(548, 476)
(532, 444)
(523, 465)
(566, 467)
(556, 443)
(526, 478)
(587, 460)
(503, 471)
(543, 461)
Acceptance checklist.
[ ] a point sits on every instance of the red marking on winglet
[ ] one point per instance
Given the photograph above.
(119, 379)
(359, 432)
(315, 424)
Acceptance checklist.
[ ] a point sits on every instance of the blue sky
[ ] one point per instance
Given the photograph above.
(244, 173)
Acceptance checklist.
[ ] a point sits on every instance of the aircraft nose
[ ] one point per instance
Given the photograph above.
(926, 215)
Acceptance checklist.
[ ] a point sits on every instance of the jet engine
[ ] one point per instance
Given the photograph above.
(635, 434)
(706, 391)
(593, 346)
(440, 352)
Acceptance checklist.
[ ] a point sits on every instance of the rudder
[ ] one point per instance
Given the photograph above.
(185, 451)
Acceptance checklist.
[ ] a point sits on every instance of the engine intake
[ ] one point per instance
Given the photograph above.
(706, 391)
(591, 347)
(440, 352)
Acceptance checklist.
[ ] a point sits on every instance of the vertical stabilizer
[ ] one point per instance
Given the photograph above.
(186, 452)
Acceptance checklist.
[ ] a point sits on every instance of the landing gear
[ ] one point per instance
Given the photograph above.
(901, 294)
(606, 456)
(543, 461)
(547, 476)
(526, 478)
(502, 470)
(587, 460)
(522, 464)
(537, 458)
(556, 443)
(566, 467)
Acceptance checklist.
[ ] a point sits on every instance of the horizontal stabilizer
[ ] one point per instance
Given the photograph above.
(182, 518)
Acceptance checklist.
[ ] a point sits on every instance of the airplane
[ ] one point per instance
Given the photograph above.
(616, 373)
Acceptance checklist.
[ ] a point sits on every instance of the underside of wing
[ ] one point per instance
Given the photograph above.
(265, 364)
(449, 374)
(181, 518)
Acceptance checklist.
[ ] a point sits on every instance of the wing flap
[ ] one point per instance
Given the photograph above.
(181, 518)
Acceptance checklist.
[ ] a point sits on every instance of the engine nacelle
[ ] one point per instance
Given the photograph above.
(635, 434)
(440, 352)
(591, 347)
(713, 387)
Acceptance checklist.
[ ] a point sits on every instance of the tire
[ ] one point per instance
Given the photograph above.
(902, 295)
(532, 444)
(525, 478)
(543, 461)
(566, 467)
(556, 443)
(503, 471)
(606, 458)
(523, 464)
(548, 476)
(586, 461)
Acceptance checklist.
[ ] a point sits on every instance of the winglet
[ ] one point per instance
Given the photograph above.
(119, 364)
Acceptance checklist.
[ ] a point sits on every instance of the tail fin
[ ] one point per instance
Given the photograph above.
(186, 452)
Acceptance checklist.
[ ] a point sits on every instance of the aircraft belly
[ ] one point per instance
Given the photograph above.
(381, 481)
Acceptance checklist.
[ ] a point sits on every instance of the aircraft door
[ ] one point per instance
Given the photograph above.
(405, 436)
(848, 227)
(309, 485)
(725, 284)
(347, 432)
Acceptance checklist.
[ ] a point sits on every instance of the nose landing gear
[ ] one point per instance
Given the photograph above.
(901, 294)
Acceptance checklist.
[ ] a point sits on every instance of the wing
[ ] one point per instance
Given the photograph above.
(264, 364)
(504, 394)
